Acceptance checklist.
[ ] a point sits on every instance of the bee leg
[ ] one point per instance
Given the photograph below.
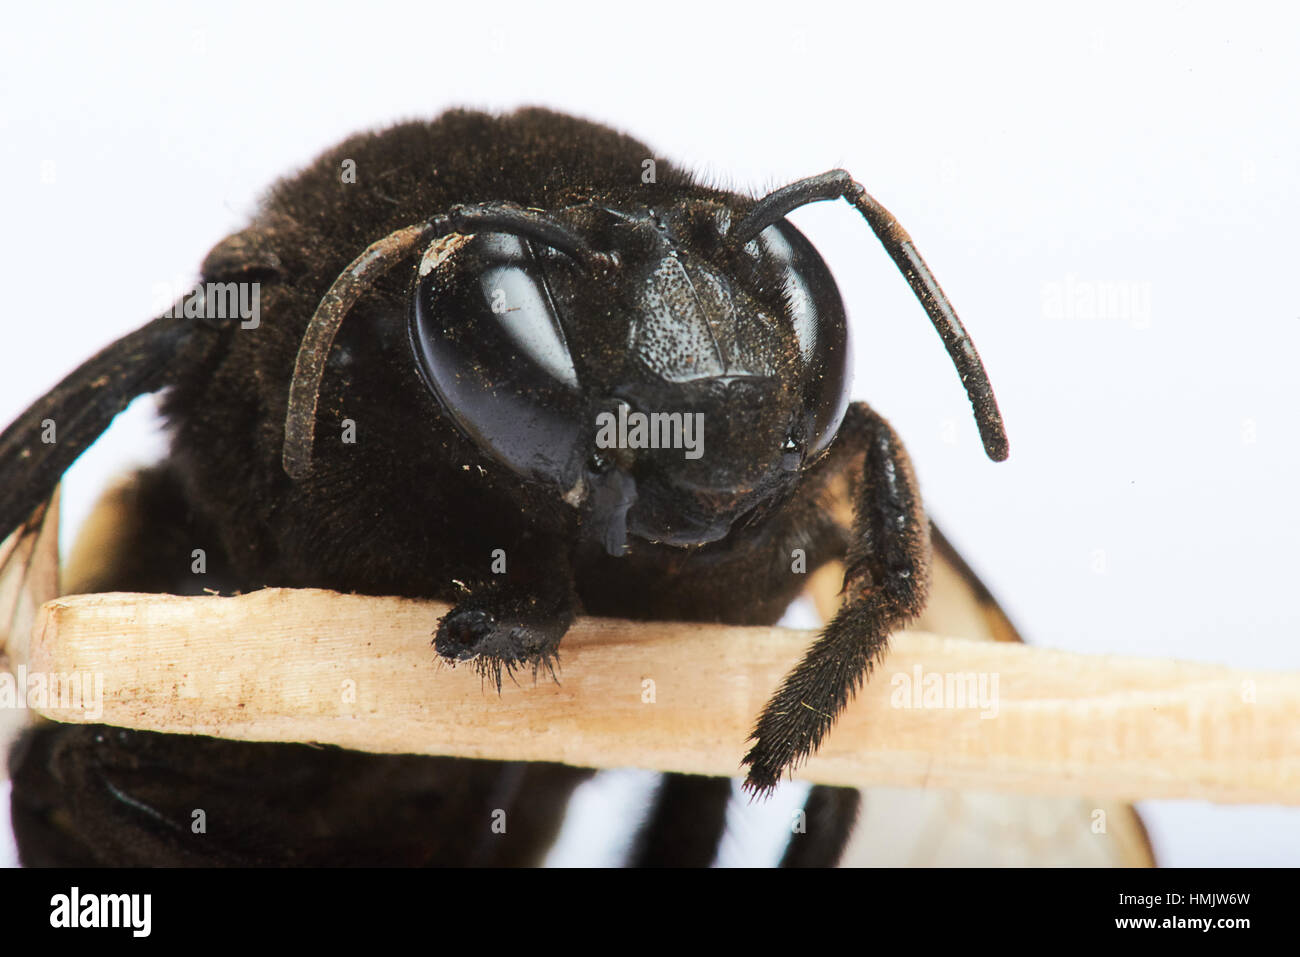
(886, 584)
(514, 619)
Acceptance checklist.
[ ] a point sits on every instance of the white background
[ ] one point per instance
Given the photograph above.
(1149, 506)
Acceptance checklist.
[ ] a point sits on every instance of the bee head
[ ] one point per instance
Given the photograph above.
(666, 370)
(678, 386)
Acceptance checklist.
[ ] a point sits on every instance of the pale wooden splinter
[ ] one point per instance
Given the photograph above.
(309, 665)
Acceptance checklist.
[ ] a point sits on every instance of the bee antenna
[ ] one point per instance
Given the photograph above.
(309, 367)
(531, 224)
(838, 183)
(377, 259)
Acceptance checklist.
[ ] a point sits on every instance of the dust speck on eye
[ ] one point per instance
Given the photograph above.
(440, 250)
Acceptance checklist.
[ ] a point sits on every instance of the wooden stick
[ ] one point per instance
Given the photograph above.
(308, 665)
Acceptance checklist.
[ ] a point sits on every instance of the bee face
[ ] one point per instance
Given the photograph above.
(611, 381)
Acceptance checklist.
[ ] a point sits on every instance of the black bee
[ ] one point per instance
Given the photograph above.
(571, 379)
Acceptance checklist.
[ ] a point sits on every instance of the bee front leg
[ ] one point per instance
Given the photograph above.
(886, 584)
(514, 617)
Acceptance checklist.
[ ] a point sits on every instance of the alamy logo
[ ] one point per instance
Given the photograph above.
(79, 691)
(103, 910)
(655, 430)
(945, 689)
(213, 300)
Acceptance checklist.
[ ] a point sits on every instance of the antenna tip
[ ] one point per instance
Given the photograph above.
(996, 447)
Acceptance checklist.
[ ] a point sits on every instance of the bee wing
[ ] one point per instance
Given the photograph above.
(937, 828)
(37, 448)
(29, 577)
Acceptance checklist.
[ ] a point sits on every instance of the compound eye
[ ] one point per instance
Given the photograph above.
(490, 346)
(821, 330)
